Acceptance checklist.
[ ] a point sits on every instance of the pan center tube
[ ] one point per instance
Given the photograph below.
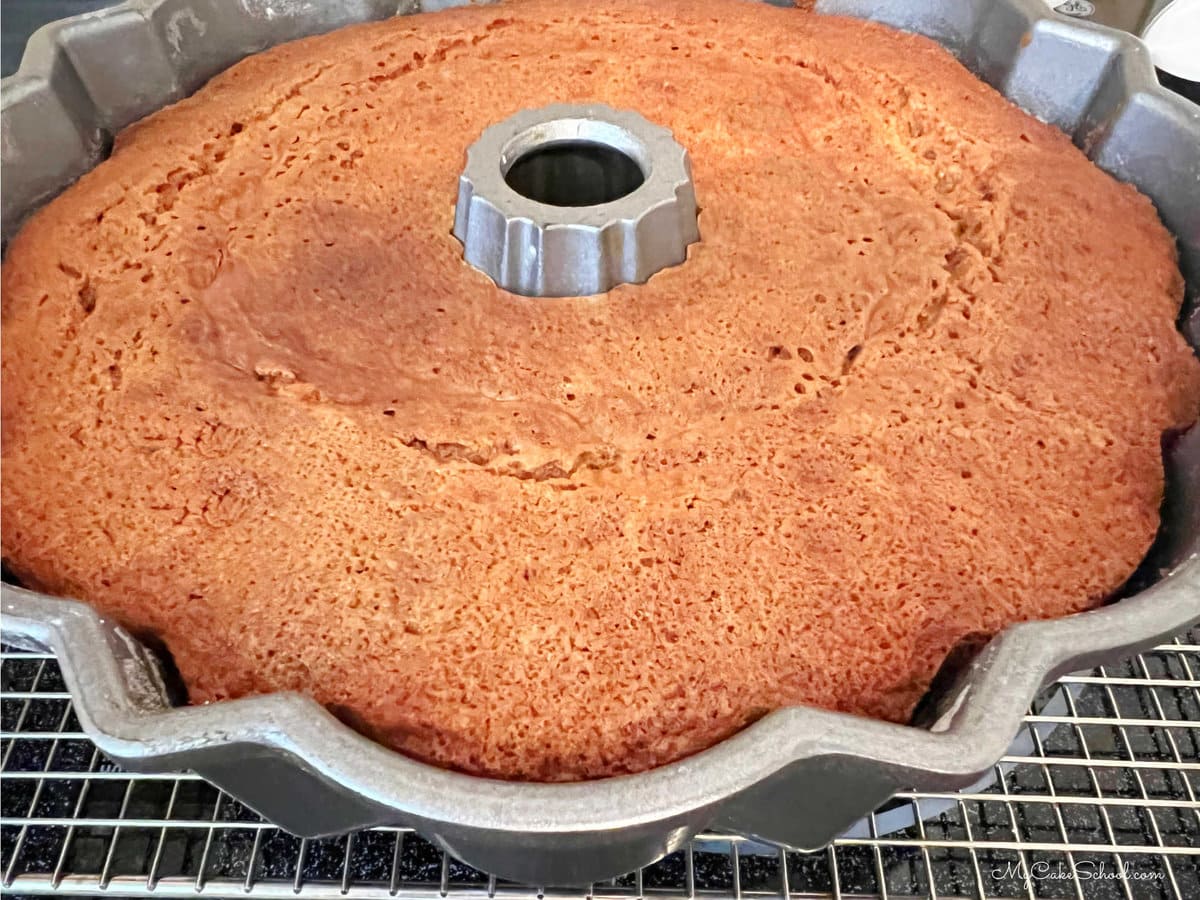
(573, 200)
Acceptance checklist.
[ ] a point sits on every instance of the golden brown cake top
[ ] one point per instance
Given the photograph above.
(909, 387)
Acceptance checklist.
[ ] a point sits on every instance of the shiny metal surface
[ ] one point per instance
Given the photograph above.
(551, 204)
(798, 776)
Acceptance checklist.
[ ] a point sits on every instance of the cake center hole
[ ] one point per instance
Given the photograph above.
(574, 173)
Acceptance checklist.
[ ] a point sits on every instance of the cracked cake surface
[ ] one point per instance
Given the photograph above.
(909, 388)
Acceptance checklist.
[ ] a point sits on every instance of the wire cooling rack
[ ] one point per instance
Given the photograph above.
(1097, 799)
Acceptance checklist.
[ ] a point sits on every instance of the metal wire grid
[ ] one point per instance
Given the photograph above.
(1098, 799)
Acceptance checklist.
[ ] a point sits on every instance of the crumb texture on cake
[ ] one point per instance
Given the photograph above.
(909, 387)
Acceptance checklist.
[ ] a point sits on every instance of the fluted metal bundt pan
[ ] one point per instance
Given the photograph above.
(798, 776)
(572, 200)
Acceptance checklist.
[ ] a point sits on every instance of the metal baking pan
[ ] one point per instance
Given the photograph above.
(799, 776)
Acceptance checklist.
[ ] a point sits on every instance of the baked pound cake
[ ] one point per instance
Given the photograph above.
(910, 387)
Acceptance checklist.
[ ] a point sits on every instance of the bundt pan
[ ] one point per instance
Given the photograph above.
(799, 776)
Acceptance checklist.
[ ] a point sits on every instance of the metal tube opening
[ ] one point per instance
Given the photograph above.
(575, 173)
(572, 200)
